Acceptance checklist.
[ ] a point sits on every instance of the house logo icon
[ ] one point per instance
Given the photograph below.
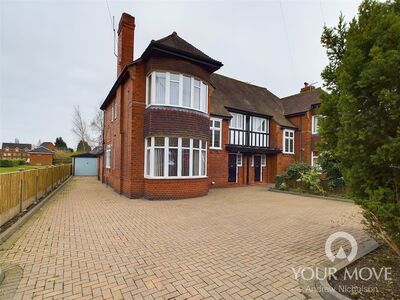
(341, 254)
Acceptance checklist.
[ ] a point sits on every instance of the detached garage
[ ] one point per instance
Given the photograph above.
(85, 164)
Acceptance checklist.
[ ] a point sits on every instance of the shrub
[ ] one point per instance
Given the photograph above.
(11, 162)
(278, 181)
(330, 167)
(312, 181)
(283, 186)
(295, 170)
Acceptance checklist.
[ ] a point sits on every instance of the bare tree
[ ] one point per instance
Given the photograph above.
(79, 126)
(97, 127)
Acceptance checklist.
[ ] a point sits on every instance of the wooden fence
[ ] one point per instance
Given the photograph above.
(19, 190)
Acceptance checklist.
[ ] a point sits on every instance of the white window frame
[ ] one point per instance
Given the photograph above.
(312, 160)
(213, 128)
(263, 160)
(239, 158)
(314, 124)
(202, 149)
(236, 116)
(150, 101)
(108, 157)
(284, 138)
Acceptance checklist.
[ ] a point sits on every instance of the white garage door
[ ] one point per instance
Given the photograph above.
(85, 166)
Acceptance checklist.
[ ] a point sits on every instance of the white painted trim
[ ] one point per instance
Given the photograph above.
(290, 138)
(212, 128)
(314, 123)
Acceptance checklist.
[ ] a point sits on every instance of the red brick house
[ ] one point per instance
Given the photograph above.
(15, 150)
(173, 128)
(48, 145)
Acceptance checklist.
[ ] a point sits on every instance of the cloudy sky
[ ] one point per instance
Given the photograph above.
(57, 54)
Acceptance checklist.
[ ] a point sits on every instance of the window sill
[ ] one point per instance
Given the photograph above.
(177, 106)
(175, 177)
(218, 149)
(289, 153)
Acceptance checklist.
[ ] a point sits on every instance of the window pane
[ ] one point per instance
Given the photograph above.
(159, 141)
(160, 88)
(173, 142)
(148, 142)
(185, 162)
(196, 96)
(211, 137)
(217, 134)
(186, 91)
(149, 89)
(148, 162)
(186, 143)
(174, 89)
(195, 166)
(196, 143)
(286, 145)
(203, 162)
(217, 124)
(158, 162)
(203, 144)
(173, 162)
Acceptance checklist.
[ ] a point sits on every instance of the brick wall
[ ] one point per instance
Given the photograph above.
(41, 159)
(175, 189)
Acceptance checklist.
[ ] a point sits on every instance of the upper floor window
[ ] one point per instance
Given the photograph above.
(288, 141)
(259, 124)
(215, 133)
(314, 124)
(237, 121)
(173, 89)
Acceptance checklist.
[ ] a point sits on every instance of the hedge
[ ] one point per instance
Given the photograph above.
(11, 162)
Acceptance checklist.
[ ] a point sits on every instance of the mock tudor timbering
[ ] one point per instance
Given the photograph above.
(173, 128)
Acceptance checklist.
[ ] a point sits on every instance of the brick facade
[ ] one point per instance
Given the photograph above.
(41, 159)
(127, 122)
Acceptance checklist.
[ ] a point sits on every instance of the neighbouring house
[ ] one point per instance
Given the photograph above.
(41, 156)
(173, 128)
(302, 110)
(15, 150)
(48, 145)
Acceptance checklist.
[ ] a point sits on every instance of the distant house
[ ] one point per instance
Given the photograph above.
(41, 156)
(15, 150)
(48, 145)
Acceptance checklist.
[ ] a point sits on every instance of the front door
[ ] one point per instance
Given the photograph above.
(232, 164)
(257, 168)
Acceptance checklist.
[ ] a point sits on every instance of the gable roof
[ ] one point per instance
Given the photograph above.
(233, 94)
(41, 150)
(16, 145)
(44, 144)
(175, 45)
(301, 102)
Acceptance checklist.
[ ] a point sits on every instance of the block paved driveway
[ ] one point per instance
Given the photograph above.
(236, 243)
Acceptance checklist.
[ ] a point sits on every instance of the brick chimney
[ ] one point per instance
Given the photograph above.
(126, 31)
(307, 87)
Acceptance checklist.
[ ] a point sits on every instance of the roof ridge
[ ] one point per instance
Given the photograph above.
(255, 85)
(301, 93)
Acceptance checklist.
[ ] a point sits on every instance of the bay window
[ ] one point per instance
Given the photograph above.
(172, 89)
(288, 141)
(215, 133)
(172, 157)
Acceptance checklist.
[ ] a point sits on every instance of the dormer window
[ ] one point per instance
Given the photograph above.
(173, 89)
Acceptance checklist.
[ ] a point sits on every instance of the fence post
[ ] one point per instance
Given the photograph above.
(45, 186)
(37, 184)
(20, 190)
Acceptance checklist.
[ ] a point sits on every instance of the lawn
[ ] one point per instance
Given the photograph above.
(15, 169)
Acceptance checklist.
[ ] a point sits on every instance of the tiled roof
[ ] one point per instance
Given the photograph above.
(16, 145)
(44, 144)
(235, 94)
(301, 102)
(41, 150)
(175, 42)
